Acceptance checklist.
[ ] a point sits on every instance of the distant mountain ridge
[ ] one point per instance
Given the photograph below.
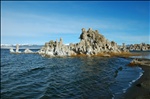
(21, 46)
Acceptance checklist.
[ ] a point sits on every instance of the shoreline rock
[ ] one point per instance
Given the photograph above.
(141, 88)
(140, 62)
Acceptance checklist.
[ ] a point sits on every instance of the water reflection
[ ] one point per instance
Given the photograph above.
(142, 55)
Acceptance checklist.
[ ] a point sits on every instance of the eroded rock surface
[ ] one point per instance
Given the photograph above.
(91, 43)
(11, 50)
(139, 47)
(144, 62)
(28, 51)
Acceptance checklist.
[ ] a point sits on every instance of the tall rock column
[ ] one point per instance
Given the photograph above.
(61, 42)
(17, 48)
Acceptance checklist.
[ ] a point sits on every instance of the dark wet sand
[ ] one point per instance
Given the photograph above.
(141, 88)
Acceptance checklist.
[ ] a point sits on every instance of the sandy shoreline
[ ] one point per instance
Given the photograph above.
(141, 88)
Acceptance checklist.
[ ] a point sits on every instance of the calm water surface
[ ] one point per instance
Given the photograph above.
(31, 76)
(145, 54)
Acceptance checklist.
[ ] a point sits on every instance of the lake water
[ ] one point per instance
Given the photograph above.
(30, 76)
(145, 54)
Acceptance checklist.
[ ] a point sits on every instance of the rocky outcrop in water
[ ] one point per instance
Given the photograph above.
(28, 51)
(17, 49)
(11, 50)
(139, 47)
(91, 43)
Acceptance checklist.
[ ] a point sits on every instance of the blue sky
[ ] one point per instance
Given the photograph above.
(37, 22)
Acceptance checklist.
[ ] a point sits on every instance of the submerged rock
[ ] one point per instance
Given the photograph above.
(91, 43)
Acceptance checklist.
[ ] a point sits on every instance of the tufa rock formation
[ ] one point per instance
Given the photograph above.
(139, 47)
(123, 48)
(91, 43)
(11, 50)
(17, 49)
(143, 62)
(28, 51)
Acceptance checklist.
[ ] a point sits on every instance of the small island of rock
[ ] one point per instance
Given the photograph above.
(91, 43)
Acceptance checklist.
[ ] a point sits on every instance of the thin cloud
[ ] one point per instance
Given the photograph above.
(28, 24)
(24, 25)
